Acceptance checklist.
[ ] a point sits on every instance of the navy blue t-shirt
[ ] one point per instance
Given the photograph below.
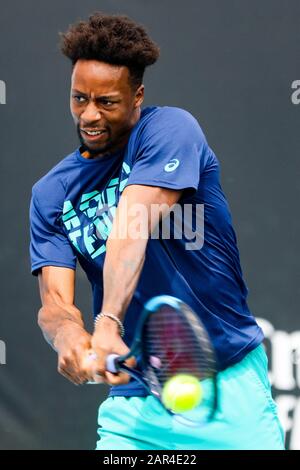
(72, 210)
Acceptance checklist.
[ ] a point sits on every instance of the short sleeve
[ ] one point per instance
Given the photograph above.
(169, 154)
(49, 245)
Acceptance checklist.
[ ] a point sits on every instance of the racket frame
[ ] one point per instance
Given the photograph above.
(115, 363)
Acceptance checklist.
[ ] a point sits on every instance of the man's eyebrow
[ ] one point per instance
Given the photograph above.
(106, 97)
(79, 92)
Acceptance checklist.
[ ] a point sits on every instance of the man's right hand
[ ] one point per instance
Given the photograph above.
(72, 344)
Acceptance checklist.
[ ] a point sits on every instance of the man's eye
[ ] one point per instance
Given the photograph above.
(79, 99)
(107, 102)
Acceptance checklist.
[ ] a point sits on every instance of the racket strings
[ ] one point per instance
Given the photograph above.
(175, 342)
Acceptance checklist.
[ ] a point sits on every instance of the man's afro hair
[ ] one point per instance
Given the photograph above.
(114, 39)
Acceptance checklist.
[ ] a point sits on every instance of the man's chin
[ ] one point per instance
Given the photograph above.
(95, 150)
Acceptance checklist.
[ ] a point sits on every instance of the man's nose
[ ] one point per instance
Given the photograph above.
(91, 113)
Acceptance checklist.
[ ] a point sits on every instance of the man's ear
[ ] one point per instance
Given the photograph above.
(139, 96)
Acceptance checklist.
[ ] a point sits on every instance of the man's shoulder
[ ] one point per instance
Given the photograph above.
(167, 122)
(156, 112)
(56, 177)
(168, 117)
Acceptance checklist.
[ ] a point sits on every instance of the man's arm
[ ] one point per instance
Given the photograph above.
(61, 323)
(125, 253)
(125, 257)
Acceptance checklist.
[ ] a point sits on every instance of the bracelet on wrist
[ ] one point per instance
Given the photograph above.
(112, 317)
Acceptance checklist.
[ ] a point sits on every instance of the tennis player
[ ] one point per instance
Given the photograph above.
(132, 157)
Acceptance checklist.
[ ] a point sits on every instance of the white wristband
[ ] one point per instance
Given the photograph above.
(112, 317)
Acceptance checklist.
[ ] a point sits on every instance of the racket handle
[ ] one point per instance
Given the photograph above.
(112, 364)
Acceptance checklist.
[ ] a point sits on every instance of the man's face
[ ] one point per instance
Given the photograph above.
(104, 105)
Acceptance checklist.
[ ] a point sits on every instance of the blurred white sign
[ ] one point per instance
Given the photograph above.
(283, 350)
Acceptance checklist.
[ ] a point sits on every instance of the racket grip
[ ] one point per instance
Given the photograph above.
(111, 363)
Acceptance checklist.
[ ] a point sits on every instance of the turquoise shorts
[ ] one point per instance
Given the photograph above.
(246, 417)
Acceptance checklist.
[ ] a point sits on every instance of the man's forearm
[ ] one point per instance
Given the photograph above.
(123, 265)
(53, 319)
(125, 255)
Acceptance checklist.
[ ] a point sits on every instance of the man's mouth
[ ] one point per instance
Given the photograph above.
(93, 134)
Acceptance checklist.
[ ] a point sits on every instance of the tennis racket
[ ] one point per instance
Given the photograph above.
(170, 339)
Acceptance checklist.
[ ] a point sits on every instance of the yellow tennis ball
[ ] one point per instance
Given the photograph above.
(182, 393)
